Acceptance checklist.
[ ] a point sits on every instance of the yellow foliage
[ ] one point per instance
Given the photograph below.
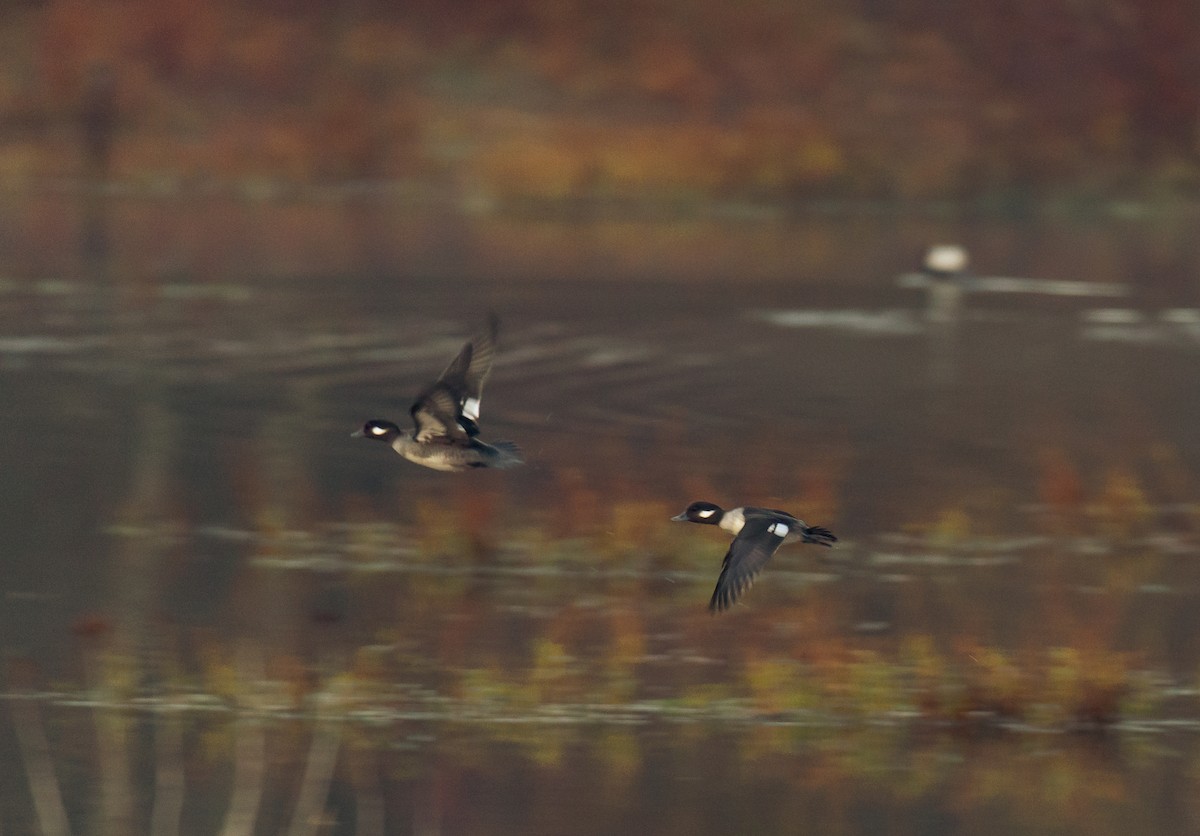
(1063, 677)
(120, 673)
(707, 694)
(621, 754)
(629, 638)
(637, 524)
(529, 166)
(772, 684)
(819, 158)
(221, 679)
(952, 526)
(551, 671)
(919, 651)
(1001, 682)
(874, 685)
(1122, 505)
(548, 744)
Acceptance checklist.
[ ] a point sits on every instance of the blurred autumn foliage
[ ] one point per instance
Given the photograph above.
(533, 101)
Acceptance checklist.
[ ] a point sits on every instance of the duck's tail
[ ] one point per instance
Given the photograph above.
(508, 454)
(820, 536)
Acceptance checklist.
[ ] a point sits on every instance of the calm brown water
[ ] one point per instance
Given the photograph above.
(222, 614)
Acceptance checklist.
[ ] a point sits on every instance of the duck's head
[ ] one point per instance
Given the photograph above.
(377, 429)
(705, 513)
(946, 259)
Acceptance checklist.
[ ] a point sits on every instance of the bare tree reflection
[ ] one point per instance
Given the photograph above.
(429, 813)
(121, 670)
(249, 759)
(113, 740)
(369, 809)
(168, 774)
(318, 776)
(35, 752)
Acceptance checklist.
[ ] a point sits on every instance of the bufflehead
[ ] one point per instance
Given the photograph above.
(757, 533)
(446, 416)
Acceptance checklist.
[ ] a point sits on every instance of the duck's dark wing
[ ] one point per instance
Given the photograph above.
(751, 511)
(747, 555)
(436, 417)
(820, 536)
(467, 372)
(808, 533)
(449, 408)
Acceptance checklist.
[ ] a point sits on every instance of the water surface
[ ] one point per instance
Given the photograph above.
(220, 611)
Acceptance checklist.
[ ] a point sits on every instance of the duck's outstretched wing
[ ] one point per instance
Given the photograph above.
(436, 417)
(749, 552)
(820, 536)
(448, 409)
(468, 371)
(808, 533)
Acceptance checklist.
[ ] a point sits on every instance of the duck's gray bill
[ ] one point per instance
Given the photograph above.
(680, 517)
(356, 434)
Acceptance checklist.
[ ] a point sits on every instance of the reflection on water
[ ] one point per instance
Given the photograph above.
(222, 615)
(556, 777)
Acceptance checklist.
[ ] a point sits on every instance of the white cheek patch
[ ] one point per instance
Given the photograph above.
(705, 514)
(378, 431)
(779, 529)
(471, 408)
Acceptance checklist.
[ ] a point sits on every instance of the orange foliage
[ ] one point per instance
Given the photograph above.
(530, 168)
(275, 57)
(1060, 487)
(761, 100)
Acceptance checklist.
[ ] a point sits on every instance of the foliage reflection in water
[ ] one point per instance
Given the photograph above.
(234, 622)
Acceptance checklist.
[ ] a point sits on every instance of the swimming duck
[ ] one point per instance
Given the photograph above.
(757, 533)
(946, 270)
(945, 261)
(446, 416)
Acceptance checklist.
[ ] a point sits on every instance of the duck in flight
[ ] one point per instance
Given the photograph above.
(757, 533)
(446, 416)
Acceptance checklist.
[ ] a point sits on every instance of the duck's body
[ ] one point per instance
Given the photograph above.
(440, 455)
(446, 415)
(757, 533)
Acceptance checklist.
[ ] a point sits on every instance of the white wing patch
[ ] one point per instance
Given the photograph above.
(779, 529)
(471, 408)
